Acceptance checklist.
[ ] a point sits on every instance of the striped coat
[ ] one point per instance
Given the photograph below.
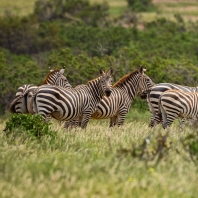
(176, 103)
(65, 104)
(20, 103)
(117, 105)
(154, 94)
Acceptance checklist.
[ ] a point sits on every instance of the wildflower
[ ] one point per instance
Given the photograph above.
(151, 170)
(131, 178)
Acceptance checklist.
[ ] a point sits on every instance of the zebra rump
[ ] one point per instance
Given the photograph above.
(176, 103)
(154, 94)
(24, 92)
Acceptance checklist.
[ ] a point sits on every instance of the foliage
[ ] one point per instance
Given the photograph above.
(190, 145)
(140, 5)
(14, 72)
(86, 163)
(33, 125)
(80, 11)
(86, 41)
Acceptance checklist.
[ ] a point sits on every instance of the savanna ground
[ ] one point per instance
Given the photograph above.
(98, 161)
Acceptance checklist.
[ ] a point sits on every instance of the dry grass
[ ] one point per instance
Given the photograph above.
(85, 163)
(18, 7)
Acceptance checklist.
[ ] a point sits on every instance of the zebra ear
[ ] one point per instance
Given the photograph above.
(62, 71)
(101, 71)
(110, 71)
(51, 70)
(142, 69)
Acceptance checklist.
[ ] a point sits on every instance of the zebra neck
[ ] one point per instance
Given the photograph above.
(131, 86)
(95, 90)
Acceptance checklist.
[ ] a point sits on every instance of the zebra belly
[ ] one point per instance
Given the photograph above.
(58, 108)
(104, 111)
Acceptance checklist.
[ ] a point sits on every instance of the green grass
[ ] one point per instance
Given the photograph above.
(87, 163)
(17, 7)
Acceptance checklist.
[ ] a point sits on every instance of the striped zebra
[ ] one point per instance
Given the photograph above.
(20, 103)
(154, 94)
(65, 104)
(176, 103)
(117, 105)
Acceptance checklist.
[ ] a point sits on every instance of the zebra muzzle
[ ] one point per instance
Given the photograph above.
(107, 92)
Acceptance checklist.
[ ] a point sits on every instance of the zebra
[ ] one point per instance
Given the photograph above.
(152, 96)
(117, 105)
(20, 103)
(65, 104)
(176, 103)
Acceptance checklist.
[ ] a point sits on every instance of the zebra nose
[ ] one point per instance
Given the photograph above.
(108, 92)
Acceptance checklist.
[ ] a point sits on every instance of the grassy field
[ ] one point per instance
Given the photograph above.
(166, 8)
(93, 163)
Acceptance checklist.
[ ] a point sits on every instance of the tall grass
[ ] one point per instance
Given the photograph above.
(88, 163)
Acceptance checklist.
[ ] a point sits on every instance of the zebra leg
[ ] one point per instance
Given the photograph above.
(170, 119)
(71, 124)
(121, 118)
(156, 120)
(153, 113)
(85, 119)
(48, 118)
(113, 121)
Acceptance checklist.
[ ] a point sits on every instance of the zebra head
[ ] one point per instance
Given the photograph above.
(105, 81)
(145, 83)
(56, 77)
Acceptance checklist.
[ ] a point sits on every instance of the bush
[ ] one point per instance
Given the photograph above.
(80, 11)
(140, 5)
(33, 125)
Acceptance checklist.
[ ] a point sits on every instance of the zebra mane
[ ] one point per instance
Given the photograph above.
(124, 79)
(50, 73)
(91, 80)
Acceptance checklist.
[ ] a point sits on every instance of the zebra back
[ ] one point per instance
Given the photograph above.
(177, 103)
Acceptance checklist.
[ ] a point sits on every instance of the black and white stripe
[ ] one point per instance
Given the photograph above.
(65, 104)
(117, 105)
(154, 94)
(20, 103)
(176, 103)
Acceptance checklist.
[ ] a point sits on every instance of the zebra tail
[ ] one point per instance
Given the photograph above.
(32, 104)
(12, 104)
(159, 109)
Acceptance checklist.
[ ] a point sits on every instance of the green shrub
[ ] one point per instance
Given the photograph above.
(33, 125)
(80, 11)
(140, 5)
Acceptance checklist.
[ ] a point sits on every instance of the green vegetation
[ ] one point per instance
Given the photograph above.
(140, 5)
(97, 162)
(44, 160)
(83, 36)
(31, 125)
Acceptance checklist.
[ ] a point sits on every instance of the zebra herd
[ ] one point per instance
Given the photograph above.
(98, 99)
